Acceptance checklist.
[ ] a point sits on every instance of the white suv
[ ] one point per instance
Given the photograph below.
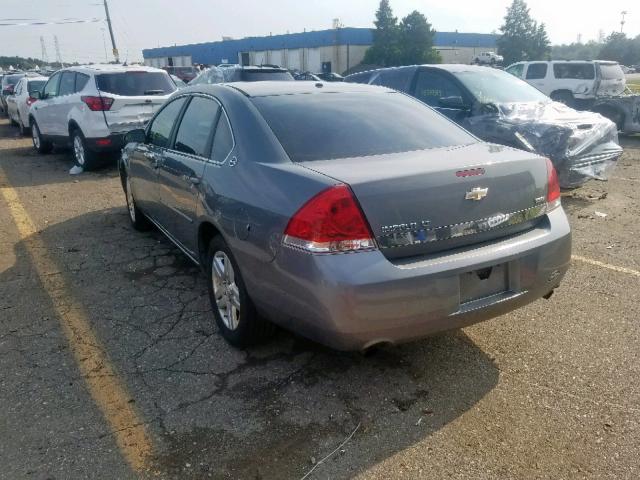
(572, 82)
(93, 107)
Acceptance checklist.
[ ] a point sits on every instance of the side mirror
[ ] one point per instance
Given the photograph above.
(135, 136)
(455, 102)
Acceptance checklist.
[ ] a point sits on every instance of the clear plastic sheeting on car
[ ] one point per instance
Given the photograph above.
(581, 145)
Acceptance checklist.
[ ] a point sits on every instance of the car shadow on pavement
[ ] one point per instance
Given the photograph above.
(269, 412)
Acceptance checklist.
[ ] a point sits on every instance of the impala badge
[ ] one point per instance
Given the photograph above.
(476, 194)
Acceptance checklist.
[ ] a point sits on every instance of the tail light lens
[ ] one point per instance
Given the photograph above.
(31, 101)
(331, 222)
(553, 187)
(98, 104)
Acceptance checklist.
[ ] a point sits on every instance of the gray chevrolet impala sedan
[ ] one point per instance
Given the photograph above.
(351, 214)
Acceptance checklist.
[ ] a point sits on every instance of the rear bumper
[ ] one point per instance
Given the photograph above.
(110, 143)
(353, 301)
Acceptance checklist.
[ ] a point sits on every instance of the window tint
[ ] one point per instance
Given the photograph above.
(260, 76)
(51, 89)
(495, 86)
(67, 83)
(160, 130)
(197, 126)
(536, 71)
(81, 81)
(516, 70)
(579, 71)
(36, 86)
(11, 79)
(328, 126)
(396, 79)
(432, 86)
(222, 141)
(136, 83)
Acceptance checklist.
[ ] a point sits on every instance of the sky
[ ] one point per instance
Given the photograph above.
(142, 24)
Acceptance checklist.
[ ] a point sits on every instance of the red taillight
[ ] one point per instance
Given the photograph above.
(31, 101)
(331, 222)
(98, 104)
(103, 142)
(553, 187)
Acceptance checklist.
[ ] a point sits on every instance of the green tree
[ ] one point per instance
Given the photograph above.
(576, 51)
(620, 48)
(385, 48)
(416, 40)
(522, 38)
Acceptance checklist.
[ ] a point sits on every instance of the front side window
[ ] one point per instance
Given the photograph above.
(160, 130)
(516, 70)
(432, 86)
(495, 86)
(536, 71)
(51, 88)
(326, 126)
(196, 127)
(67, 83)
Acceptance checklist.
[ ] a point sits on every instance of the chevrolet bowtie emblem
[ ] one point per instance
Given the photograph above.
(476, 194)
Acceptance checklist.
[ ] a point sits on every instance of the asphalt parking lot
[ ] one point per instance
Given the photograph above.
(111, 366)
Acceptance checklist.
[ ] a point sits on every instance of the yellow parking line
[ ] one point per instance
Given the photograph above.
(107, 390)
(628, 271)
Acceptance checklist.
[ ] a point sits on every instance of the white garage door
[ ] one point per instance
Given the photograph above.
(259, 58)
(313, 63)
(293, 59)
(275, 57)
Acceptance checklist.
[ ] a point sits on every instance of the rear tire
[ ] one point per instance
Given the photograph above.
(83, 157)
(42, 146)
(234, 312)
(139, 220)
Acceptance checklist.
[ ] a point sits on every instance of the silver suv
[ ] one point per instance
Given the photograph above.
(92, 107)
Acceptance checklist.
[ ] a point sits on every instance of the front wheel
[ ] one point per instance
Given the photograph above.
(41, 145)
(233, 310)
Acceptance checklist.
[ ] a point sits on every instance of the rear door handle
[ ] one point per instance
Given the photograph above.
(155, 161)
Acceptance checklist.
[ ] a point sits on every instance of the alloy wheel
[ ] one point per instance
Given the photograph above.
(226, 292)
(78, 149)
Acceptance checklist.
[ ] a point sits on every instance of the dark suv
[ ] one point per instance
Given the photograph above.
(500, 108)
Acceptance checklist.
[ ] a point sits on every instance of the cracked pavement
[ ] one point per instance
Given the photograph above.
(549, 391)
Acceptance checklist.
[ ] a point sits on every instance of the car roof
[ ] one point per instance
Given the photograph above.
(272, 88)
(108, 68)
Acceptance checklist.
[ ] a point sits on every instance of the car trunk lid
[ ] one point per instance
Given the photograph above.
(433, 200)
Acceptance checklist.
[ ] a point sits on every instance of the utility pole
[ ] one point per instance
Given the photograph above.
(57, 47)
(622, 22)
(45, 57)
(116, 55)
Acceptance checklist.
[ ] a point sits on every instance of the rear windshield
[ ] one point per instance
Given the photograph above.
(609, 71)
(258, 76)
(576, 71)
(341, 125)
(12, 79)
(131, 84)
(35, 85)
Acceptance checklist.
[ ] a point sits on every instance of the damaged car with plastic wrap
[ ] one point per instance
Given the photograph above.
(499, 108)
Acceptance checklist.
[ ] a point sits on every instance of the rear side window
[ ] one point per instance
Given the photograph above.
(196, 127)
(574, 71)
(160, 130)
(35, 86)
(258, 76)
(611, 71)
(396, 79)
(81, 81)
(135, 84)
(536, 71)
(329, 126)
(67, 83)
(222, 141)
